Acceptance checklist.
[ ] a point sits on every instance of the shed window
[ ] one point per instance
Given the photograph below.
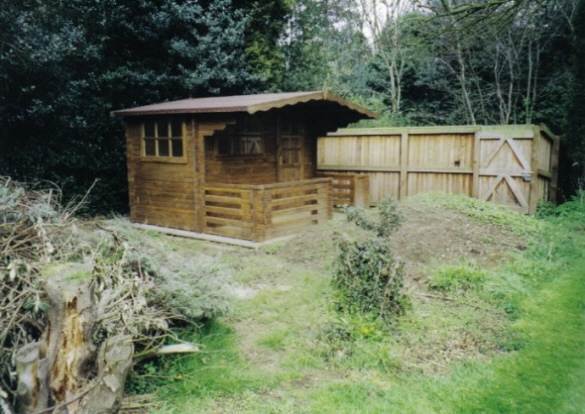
(241, 139)
(163, 138)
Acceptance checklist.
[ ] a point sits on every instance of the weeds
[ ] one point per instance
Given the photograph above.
(452, 278)
(490, 213)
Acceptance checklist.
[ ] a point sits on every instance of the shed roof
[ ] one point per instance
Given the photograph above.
(245, 103)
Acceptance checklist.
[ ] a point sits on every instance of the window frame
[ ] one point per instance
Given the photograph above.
(156, 140)
(236, 137)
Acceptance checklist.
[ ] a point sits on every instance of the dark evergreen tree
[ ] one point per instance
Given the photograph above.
(574, 134)
(65, 65)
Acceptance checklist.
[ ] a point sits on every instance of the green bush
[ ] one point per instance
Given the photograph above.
(383, 224)
(367, 278)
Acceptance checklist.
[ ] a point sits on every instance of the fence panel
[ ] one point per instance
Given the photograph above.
(514, 165)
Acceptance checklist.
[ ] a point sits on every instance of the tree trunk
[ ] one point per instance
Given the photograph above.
(60, 374)
(114, 362)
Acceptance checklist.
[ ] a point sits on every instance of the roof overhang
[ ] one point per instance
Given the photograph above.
(250, 104)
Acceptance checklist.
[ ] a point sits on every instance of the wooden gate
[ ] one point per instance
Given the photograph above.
(505, 171)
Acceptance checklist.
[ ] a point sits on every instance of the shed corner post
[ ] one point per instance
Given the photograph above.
(330, 199)
(131, 162)
(259, 202)
(199, 179)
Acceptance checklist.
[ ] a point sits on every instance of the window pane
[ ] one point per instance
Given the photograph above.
(149, 147)
(149, 129)
(163, 129)
(252, 145)
(163, 147)
(290, 157)
(176, 128)
(177, 147)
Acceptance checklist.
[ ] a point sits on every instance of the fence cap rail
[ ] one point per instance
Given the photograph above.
(521, 129)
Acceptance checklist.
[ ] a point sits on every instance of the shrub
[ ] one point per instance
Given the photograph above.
(367, 278)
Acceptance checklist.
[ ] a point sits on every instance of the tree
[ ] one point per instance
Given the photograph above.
(66, 65)
(574, 137)
(497, 70)
(267, 20)
(322, 44)
(382, 19)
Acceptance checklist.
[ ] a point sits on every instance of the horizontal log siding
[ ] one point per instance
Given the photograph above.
(161, 193)
(512, 165)
(260, 212)
(254, 169)
(229, 211)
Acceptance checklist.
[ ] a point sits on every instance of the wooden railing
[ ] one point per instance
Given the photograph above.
(349, 189)
(261, 212)
(228, 210)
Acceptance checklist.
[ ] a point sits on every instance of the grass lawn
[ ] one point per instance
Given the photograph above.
(489, 329)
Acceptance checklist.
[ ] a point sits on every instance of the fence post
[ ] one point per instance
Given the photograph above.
(402, 192)
(476, 165)
(533, 196)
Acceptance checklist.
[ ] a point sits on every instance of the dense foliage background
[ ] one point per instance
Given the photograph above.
(64, 65)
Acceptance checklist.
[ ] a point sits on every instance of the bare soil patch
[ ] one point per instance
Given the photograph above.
(428, 235)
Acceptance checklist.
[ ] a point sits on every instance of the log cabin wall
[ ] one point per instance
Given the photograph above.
(161, 188)
(285, 153)
(247, 163)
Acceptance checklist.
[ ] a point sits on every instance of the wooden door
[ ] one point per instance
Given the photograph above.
(290, 150)
(504, 170)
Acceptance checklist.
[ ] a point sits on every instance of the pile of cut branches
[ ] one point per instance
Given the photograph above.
(79, 302)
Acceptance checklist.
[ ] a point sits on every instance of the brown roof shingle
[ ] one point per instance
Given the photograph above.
(242, 103)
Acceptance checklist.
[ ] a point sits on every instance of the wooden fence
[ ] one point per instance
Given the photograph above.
(514, 165)
(260, 212)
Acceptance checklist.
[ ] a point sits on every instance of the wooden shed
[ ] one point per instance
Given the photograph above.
(238, 166)
(514, 165)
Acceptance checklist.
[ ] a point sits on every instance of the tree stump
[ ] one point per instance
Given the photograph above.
(60, 371)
